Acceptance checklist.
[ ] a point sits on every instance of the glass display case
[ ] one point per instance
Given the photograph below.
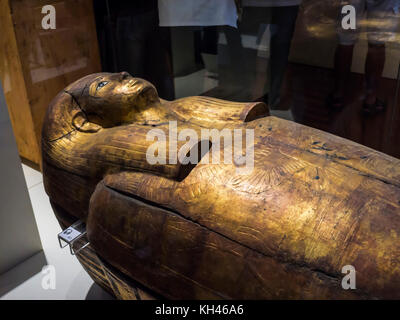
(297, 56)
(86, 81)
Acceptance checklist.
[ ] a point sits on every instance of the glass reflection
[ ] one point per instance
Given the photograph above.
(294, 55)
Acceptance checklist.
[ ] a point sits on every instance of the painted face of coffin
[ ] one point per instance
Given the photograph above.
(111, 99)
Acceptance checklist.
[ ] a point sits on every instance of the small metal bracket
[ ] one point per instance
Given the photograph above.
(74, 236)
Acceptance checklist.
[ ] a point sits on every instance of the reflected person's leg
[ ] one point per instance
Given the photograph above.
(342, 67)
(344, 52)
(236, 56)
(282, 30)
(131, 45)
(259, 89)
(158, 59)
(378, 29)
(373, 70)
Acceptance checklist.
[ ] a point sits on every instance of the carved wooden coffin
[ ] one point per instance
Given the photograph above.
(313, 203)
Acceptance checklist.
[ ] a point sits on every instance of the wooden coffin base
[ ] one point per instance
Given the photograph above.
(106, 276)
(110, 279)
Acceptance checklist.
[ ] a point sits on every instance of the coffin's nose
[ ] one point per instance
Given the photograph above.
(124, 75)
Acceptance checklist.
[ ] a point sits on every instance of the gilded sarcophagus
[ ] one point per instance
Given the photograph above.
(201, 198)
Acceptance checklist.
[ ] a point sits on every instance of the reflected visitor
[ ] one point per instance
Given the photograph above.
(282, 16)
(374, 15)
(143, 48)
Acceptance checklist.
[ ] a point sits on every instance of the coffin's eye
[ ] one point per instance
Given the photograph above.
(101, 85)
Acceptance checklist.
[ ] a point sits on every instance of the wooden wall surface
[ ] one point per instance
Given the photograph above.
(36, 63)
(14, 87)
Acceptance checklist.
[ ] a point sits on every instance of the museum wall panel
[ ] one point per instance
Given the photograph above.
(36, 63)
(19, 237)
